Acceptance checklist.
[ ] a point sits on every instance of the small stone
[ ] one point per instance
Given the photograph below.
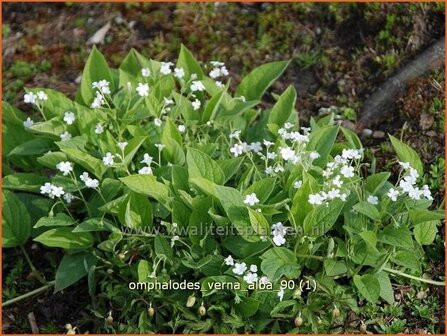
(426, 121)
(367, 132)
(378, 135)
(349, 125)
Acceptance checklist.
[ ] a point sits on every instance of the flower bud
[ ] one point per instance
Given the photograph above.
(335, 312)
(297, 293)
(150, 311)
(298, 320)
(202, 310)
(362, 327)
(109, 319)
(191, 301)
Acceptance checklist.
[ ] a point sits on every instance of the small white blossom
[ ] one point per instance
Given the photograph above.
(237, 149)
(147, 159)
(351, 154)
(279, 240)
(251, 199)
(281, 294)
(68, 198)
(42, 95)
(145, 72)
(99, 129)
(65, 167)
(92, 183)
(69, 117)
(28, 123)
(374, 200)
(229, 261)
(337, 182)
(65, 136)
(174, 239)
(239, 268)
(30, 98)
(46, 188)
(393, 194)
(181, 128)
(197, 86)
(314, 155)
(108, 159)
(214, 73)
(250, 277)
(143, 89)
(405, 165)
(145, 171)
(122, 145)
(264, 280)
(298, 184)
(224, 71)
(219, 84)
(196, 104)
(235, 134)
(271, 156)
(98, 101)
(160, 146)
(253, 268)
(56, 191)
(84, 177)
(347, 171)
(165, 68)
(157, 122)
(179, 73)
(256, 147)
(315, 199)
(217, 64)
(268, 143)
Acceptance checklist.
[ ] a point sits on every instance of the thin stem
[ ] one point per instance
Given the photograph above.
(309, 256)
(29, 294)
(33, 268)
(436, 283)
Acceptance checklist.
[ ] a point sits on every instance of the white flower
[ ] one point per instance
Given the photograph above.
(415, 193)
(160, 146)
(193, 76)
(108, 159)
(147, 159)
(224, 71)
(251, 277)
(316, 199)
(145, 72)
(65, 136)
(374, 200)
(122, 145)
(235, 134)
(268, 143)
(197, 86)
(181, 128)
(168, 101)
(229, 261)
(253, 268)
(28, 123)
(405, 165)
(219, 84)
(42, 95)
(264, 280)
(337, 182)
(145, 171)
(281, 294)
(174, 225)
(426, 192)
(347, 171)
(69, 117)
(99, 129)
(214, 73)
(143, 89)
(196, 104)
(333, 193)
(279, 169)
(217, 64)
(179, 73)
(98, 101)
(237, 149)
(314, 155)
(351, 154)
(174, 239)
(256, 147)
(65, 167)
(84, 177)
(298, 184)
(30, 98)
(56, 191)
(279, 240)
(92, 183)
(288, 125)
(46, 188)
(239, 268)
(251, 199)
(157, 122)
(269, 170)
(68, 198)
(271, 156)
(288, 154)
(393, 194)
(165, 68)
(102, 86)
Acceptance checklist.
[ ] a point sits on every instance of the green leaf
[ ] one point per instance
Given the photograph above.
(212, 107)
(254, 85)
(171, 138)
(321, 219)
(334, 267)
(33, 147)
(262, 188)
(130, 68)
(248, 307)
(418, 216)
(95, 69)
(202, 165)
(59, 219)
(368, 286)
(189, 64)
(92, 164)
(52, 127)
(367, 209)
(407, 154)
(376, 181)
(283, 108)
(386, 290)
(144, 270)
(258, 222)
(240, 248)
(322, 140)
(72, 268)
(24, 182)
(136, 212)
(278, 262)
(230, 166)
(300, 204)
(425, 233)
(148, 185)
(352, 138)
(93, 225)
(16, 222)
(407, 259)
(162, 248)
(400, 237)
(370, 239)
(64, 237)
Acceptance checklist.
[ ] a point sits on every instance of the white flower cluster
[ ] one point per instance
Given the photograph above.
(34, 98)
(103, 88)
(337, 172)
(51, 190)
(407, 185)
(243, 147)
(250, 274)
(88, 181)
(219, 70)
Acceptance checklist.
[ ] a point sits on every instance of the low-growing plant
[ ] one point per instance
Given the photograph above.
(191, 209)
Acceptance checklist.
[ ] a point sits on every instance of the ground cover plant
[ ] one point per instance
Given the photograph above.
(187, 207)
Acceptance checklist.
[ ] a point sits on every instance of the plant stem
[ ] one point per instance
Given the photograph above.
(309, 256)
(33, 268)
(29, 294)
(436, 283)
